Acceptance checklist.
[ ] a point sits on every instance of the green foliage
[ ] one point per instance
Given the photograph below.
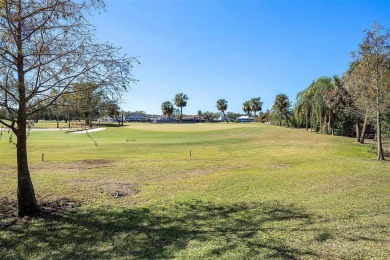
(281, 108)
(345, 123)
(210, 115)
(167, 108)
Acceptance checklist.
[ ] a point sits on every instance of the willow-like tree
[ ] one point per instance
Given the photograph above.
(303, 107)
(181, 101)
(167, 109)
(49, 45)
(222, 105)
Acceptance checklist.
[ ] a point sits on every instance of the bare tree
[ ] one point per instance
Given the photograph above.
(49, 45)
(372, 71)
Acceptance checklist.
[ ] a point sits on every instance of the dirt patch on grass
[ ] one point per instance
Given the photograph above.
(72, 166)
(278, 166)
(119, 189)
(7, 169)
(9, 210)
(115, 189)
(91, 164)
(59, 205)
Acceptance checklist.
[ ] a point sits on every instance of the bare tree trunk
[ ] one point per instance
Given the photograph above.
(58, 123)
(311, 123)
(324, 129)
(357, 127)
(379, 130)
(307, 124)
(227, 120)
(27, 204)
(90, 111)
(331, 123)
(364, 128)
(332, 120)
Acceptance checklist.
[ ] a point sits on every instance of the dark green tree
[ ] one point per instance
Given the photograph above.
(167, 109)
(281, 107)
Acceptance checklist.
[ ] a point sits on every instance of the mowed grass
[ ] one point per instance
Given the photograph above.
(248, 191)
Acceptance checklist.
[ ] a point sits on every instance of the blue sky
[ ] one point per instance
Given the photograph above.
(234, 50)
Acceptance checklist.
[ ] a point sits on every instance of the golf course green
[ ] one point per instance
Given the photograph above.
(196, 191)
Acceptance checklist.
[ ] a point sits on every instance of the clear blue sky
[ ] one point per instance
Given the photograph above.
(234, 50)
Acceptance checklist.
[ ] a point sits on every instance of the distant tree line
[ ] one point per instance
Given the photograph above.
(84, 102)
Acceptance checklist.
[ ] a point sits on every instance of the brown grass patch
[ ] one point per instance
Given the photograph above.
(72, 166)
(278, 166)
(112, 188)
(7, 169)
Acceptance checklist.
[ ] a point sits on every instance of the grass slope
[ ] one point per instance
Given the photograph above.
(248, 191)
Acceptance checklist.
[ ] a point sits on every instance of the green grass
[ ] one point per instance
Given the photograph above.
(248, 191)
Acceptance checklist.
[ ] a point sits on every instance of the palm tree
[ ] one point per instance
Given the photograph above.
(333, 100)
(246, 107)
(255, 105)
(167, 109)
(181, 101)
(222, 106)
(200, 115)
(281, 107)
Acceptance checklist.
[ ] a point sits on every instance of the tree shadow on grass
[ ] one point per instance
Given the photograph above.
(194, 229)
